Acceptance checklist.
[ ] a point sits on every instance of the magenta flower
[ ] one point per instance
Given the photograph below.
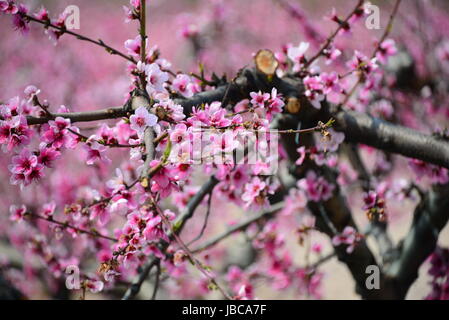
(95, 152)
(19, 20)
(8, 7)
(23, 163)
(258, 99)
(42, 14)
(349, 236)
(386, 50)
(141, 119)
(317, 188)
(17, 213)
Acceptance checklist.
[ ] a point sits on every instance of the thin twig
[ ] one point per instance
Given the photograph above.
(63, 30)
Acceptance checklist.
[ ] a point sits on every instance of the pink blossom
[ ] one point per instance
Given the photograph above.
(360, 62)
(31, 91)
(331, 54)
(48, 209)
(95, 152)
(8, 7)
(331, 144)
(133, 46)
(317, 188)
(349, 236)
(47, 155)
(330, 82)
(297, 54)
(314, 90)
(259, 99)
(17, 213)
(23, 163)
(302, 155)
(19, 20)
(155, 78)
(42, 14)
(14, 133)
(386, 50)
(184, 85)
(141, 119)
(274, 104)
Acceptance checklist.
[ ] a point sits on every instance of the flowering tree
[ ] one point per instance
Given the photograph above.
(143, 199)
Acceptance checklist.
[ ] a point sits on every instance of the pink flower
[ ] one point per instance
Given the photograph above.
(48, 209)
(31, 91)
(14, 132)
(302, 155)
(179, 133)
(133, 46)
(56, 133)
(8, 7)
(23, 163)
(19, 20)
(274, 105)
(331, 54)
(95, 152)
(212, 115)
(349, 236)
(297, 55)
(330, 82)
(386, 50)
(259, 99)
(317, 188)
(183, 84)
(94, 286)
(314, 90)
(135, 3)
(100, 211)
(47, 155)
(155, 78)
(254, 194)
(154, 229)
(245, 293)
(331, 144)
(361, 62)
(172, 111)
(225, 142)
(141, 119)
(17, 213)
(42, 14)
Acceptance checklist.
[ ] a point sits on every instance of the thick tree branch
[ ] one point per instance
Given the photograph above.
(363, 128)
(431, 215)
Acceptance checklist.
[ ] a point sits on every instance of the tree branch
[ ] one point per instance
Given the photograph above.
(430, 217)
(363, 128)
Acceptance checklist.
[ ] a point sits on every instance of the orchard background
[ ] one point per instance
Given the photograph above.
(348, 193)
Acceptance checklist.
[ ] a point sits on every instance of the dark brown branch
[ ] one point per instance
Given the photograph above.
(431, 215)
(85, 116)
(363, 128)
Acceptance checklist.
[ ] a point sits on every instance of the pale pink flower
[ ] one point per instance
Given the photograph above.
(297, 54)
(156, 78)
(183, 84)
(141, 119)
(386, 50)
